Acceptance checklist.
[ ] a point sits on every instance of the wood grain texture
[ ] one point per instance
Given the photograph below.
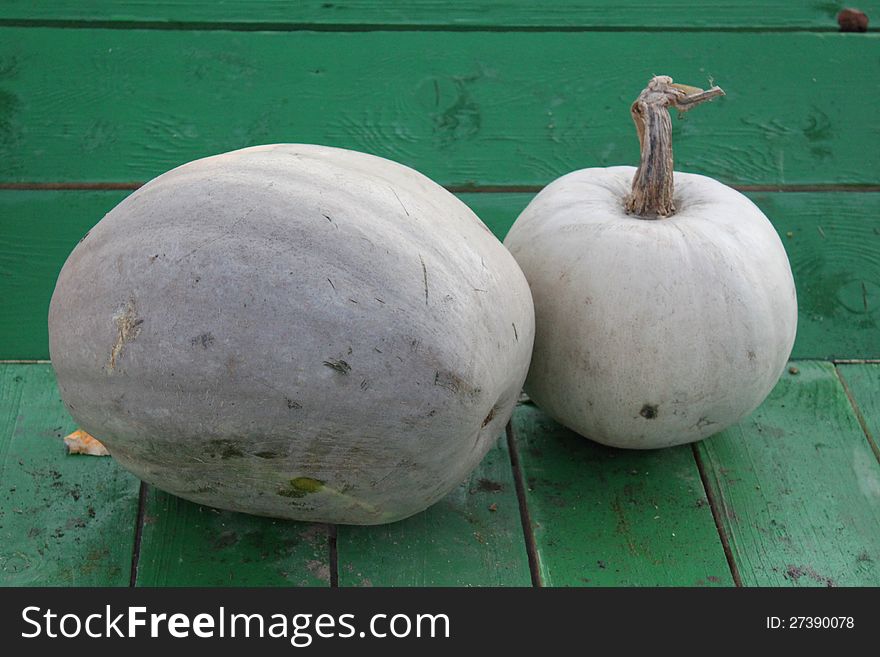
(607, 517)
(472, 537)
(37, 232)
(64, 520)
(833, 244)
(465, 108)
(798, 487)
(863, 384)
(779, 14)
(185, 544)
(832, 239)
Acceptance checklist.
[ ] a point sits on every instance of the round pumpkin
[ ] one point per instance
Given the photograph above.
(294, 331)
(662, 316)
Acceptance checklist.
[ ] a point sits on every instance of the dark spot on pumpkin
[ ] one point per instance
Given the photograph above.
(339, 365)
(226, 539)
(489, 486)
(204, 340)
(649, 411)
(227, 449)
(201, 489)
(84, 236)
(300, 487)
(292, 403)
(454, 383)
(448, 380)
(488, 418)
(752, 355)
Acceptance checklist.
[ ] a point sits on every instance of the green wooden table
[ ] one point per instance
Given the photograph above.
(493, 100)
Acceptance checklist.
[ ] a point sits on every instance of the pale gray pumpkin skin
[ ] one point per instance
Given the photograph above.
(293, 331)
(652, 333)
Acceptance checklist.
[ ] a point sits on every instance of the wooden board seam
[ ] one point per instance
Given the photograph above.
(333, 557)
(138, 534)
(716, 516)
(528, 535)
(258, 26)
(858, 413)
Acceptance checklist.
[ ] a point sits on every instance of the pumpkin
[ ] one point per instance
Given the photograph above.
(293, 331)
(664, 302)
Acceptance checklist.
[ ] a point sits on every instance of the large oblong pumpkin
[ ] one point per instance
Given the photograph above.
(294, 331)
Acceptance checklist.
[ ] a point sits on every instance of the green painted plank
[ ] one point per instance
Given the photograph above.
(185, 544)
(570, 13)
(607, 517)
(863, 382)
(37, 232)
(466, 108)
(797, 487)
(834, 247)
(64, 520)
(472, 537)
(497, 210)
(833, 243)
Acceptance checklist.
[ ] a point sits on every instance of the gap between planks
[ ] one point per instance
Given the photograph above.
(716, 516)
(525, 519)
(264, 26)
(138, 534)
(333, 559)
(858, 412)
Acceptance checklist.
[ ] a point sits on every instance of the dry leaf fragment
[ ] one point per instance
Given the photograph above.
(80, 442)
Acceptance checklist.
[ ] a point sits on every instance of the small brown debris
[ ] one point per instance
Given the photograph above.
(852, 20)
(793, 370)
(80, 442)
(493, 507)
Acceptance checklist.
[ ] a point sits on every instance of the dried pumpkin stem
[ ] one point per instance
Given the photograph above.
(652, 189)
